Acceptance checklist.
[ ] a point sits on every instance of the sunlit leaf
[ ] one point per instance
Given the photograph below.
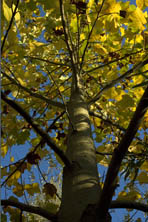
(7, 11)
(133, 195)
(4, 149)
(138, 18)
(32, 188)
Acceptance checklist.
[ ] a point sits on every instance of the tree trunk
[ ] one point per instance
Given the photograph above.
(80, 182)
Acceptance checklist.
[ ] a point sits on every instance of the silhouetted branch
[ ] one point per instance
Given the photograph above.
(118, 155)
(112, 83)
(111, 123)
(36, 127)
(90, 33)
(128, 204)
(36, 95)
(69, 45)
(52, 217)
(47, 61)
(30, 209)
(9, 27)
(20, 162)
(65, 29)
(114, 60)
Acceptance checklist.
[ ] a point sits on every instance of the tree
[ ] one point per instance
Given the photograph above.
(75, 87)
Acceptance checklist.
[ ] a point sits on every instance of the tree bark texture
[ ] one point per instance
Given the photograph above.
(80, 181)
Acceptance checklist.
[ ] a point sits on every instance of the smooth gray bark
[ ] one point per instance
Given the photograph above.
(80, 182)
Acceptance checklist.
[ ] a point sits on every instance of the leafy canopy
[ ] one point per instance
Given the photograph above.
(109, 42)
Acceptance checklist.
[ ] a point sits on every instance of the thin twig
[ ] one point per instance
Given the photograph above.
(9, 27)
(119, 153)
(41, 143)
(90, 33)
(62, 100)
(112, 83)
(38, 130)
(112, 61)
(69, 46)
(36, 95)
(31, 209)
(47, 61)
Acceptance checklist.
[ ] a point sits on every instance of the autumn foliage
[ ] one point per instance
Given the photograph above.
(57, 52)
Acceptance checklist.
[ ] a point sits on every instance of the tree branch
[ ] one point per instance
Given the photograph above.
(53, 217)
(118, 155)
(109, 122)
(129, 205)
(66, 31)
(9, 27)
(89, 35)
(38, 130)
(69, 45)
(36, 95)
(31, 209)
(112, 61)
(47, 61)
(112, 83)
(20, 162)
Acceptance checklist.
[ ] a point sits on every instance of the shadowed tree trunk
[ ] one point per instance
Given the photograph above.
(80, 182)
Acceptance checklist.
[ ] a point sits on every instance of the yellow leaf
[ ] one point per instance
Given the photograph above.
(15, 93)
(146, 120)
(27, 186)
(100, 49)
(61, 88)
(7, 11)
(144, 166)
(32, 188)
(132, 195)
(138, 18)
(4, 149)
(100, 158)
(35, 141)
(73, 24)
(111, 6)
(122, 195)
(115, 7)
(23, 83)
(18, 190)
(17, 16)
(12, 38)
(90, 3)
(142, 178)
(16, 175)
(140, 3)
(104, 162)
(139, 38)
(146, 3)
(113, 93)
(39, 43)
(12, 158)
(139, 92)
